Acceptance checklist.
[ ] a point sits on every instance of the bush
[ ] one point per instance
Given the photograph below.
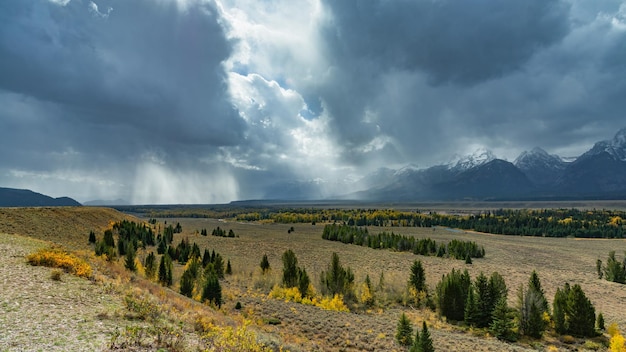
(57, 258)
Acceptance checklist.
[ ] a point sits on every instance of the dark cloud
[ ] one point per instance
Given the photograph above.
(209, 101)
(451, 41)
(135, 80)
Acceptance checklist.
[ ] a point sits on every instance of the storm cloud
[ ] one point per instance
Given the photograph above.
(200, 101)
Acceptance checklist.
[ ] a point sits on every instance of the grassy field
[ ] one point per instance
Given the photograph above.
(301, 327)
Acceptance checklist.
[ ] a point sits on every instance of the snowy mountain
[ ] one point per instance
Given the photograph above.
(615, 147)
(479, 157)
(540, 167)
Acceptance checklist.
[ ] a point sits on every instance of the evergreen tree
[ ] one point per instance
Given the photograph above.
(600, 322)
(614, 270)
(337, 279)
(530, 312)
(535, 284)
(303, 282)
(129, 262)
(415, 347)
(485, 301)
(581, 315)
(559, 309)
(404, 331)
(452, 293)
(502, 322)
(290, 269)
(108, 238)
(212, 291)
(229, 269)
(417, 279)
(471, 315)
(218, 264)
(187, 281)
(265, 264)
(169, 266)
(206, 258)
(150, 265)
(92, 237)
(426, 342)
(121, 247)
(163, 271)
(161, 247)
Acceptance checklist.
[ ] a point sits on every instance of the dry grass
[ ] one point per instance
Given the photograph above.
(296, 327)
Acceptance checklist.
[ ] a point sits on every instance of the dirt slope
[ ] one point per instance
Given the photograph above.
(67, 226)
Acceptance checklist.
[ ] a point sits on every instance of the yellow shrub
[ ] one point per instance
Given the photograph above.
(293, 295)
(335, 303)
(57, 258)
(366, 296)
(617, 343)
(233, 339)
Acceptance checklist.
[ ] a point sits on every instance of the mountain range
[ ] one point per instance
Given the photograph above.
(599, 173)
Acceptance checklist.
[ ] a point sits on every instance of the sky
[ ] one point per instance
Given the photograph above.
(202, 101)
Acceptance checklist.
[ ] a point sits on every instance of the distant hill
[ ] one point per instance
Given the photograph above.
(11, 197)
(102, 202)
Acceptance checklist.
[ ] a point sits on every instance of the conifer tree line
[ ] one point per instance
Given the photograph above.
(219, 232)
(524, 222)
(202, 273)
(482, 303)
(360, 236)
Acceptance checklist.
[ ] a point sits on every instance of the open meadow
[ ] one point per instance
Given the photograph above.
(275, 322)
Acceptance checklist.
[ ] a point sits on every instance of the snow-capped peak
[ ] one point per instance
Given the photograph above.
(538, 157)
(479, 157)
(615, 147)
(406, 169)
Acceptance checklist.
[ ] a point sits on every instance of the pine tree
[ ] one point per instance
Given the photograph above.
(92, 237)
(108, 238)
(218, 264)
(559, 308)
(187, 281)
(452, 293)
(162, 271)
(581, 314)
(129, 262)
(290, 269)
(417, 278)
(600, 322)
(337, 279)
(415, 347)
(502, 322)
(530, 313)
(212, 291)
(471, 314)
(535, 284)
(426, 342)
(229, 269)
(404, 331)
(303, 282)
(265, 264)
(150, 265)
(485, 302)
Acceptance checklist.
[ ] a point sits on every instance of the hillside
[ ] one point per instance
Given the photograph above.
(68, 226)
(11, 197)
